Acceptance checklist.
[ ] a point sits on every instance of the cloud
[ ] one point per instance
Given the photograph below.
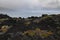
(25, 8)
(54, 4)
(13, 4)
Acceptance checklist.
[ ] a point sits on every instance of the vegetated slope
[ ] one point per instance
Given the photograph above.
(45, 27)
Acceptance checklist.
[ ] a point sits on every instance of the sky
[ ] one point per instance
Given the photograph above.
(25, 8)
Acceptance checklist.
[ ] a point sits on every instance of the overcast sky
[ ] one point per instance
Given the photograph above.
(25, 8)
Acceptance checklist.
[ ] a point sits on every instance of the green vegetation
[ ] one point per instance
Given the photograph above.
(45, 27)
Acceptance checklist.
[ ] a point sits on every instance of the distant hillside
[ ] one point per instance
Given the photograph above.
(4, 16)
(45, 27)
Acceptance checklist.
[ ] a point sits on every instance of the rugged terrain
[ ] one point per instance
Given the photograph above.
(45, 27)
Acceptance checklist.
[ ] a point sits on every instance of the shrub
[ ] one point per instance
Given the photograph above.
(4, 28)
